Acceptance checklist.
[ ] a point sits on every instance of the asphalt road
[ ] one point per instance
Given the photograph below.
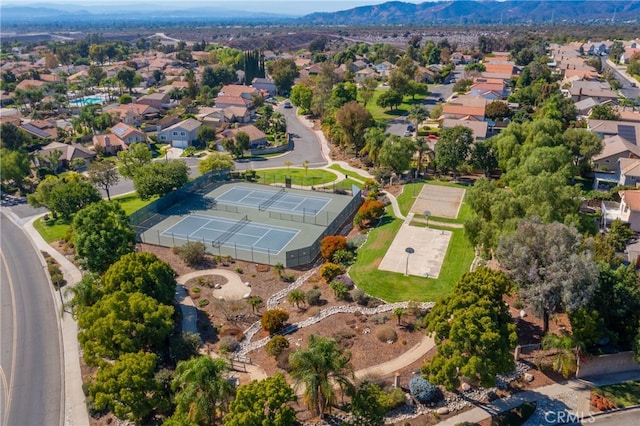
(30, 349)
(627, 90)
(621, 418)
(306, 147)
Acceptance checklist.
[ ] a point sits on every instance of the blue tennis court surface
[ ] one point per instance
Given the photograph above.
(229, 233)
(277, 200)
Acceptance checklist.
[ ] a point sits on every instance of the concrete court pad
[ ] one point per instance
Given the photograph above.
(429, 245)
(441, 201)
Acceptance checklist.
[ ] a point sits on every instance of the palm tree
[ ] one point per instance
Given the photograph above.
(418, 114)
(566, 350)
(320, 367)
(373, 141)
(296, 297)
(254, 302)
(422, 147)
(202, 392)
(399, 313)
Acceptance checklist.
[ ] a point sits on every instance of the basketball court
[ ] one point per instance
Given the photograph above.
(428, 249)
(439, 201)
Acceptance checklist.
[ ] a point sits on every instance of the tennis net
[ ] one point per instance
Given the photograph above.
(271, 200)
(230, 232)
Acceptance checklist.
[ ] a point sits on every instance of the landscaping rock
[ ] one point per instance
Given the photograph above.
(465, 387)
(528, 377)
(442, 410)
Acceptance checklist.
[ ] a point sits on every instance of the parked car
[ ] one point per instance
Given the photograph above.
(410, 128)
(287, 104)
(271, 100)
(407, 133)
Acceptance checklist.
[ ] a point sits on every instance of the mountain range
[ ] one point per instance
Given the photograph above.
(458, 12)
(481, 12)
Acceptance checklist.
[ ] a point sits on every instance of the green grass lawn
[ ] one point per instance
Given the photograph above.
(299, 176)
(395, 287)
(346, 184)
(341, 170)
(385, 114)
(55, 229)
(621, 394)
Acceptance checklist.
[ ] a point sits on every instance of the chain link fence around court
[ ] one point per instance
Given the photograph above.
(306, 255)
(151, 214)
(154, 213)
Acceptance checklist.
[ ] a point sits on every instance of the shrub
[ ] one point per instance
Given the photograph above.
(274, 319)
(422, 390)
(228, 344)
(369, 211)
(359, 296)
(329, 271)
(330, 244)
(313, 297)
(387, 334)
(192, 253)
(343, 257)
(239, 270)
(393, 399)
(184, 346)
(276, 345)
(339, 290)
(234, 332)
(282, 360)
(203, 302)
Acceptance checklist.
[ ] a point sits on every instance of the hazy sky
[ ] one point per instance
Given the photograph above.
(290, 7)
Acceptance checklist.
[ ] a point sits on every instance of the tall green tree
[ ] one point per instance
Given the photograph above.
(121, 323)
(104, 174)
(473, 331)
(64, 196)
(396, 153)
(417, 114)
(102, 235)
(264, 402)
(142, 272)
(14, 167)
(134, 158)
(553, 270)
(368, 405)
(453, 147)
(160, 178)
(354, 119)
(283, 71)
(321, 367)
(128, 78)
(216, 161)
(373, 140)
(202, 391)
(127, 387)
(301, 96)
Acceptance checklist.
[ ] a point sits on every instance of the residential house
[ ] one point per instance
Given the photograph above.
(360, 65)
(384, 68)
(182, 134)
(68, 152)
(365, 73)
(591, 89)
(132, 114)
(627, 210)
(264, 84)
(29, 84)
(211, 116)
(122, 135)
(156, 100)
(585, 105)
(223, 102)
(628, 53)
(489, 89)
(457, 58)
(479, 128)
(615, 148)
(41, 129)
(627, 129)
(237, 114)
(629, 171)
(257, 138)
(465, 108)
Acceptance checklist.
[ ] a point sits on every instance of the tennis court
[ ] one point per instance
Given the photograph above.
(276, 200)
(221, 232)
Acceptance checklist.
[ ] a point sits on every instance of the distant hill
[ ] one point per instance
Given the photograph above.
(480, 12)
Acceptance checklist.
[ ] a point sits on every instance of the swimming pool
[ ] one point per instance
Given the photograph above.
(87, 100)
